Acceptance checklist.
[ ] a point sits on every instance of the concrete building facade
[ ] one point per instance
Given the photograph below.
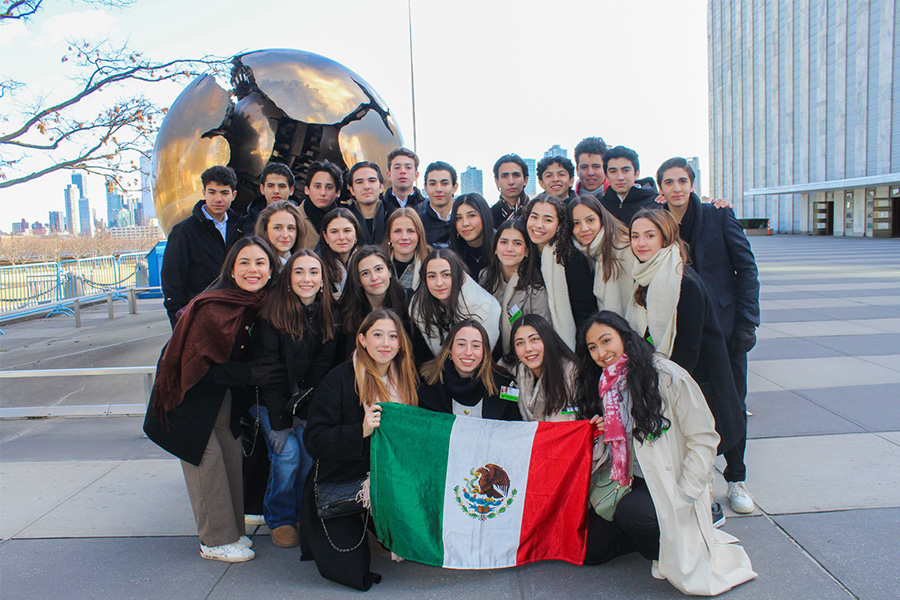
(804, 113)
(471, 181)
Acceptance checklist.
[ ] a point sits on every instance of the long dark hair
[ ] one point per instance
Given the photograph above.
(563, 248)
(529, 269)
(354, 302)
(283, 309)
(553, 375)
(642, 382)
(615, 235)
(488, 371)
(435, 315)
(226, 281)
(480, 205)
(330, 258)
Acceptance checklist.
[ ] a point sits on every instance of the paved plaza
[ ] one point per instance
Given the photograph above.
(91, 509)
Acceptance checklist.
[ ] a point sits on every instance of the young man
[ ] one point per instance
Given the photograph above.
(403, 171)
(440, 186)
(197, 246)
(366, 184)
(275, 183)
(721, 255)
(511, 177)
(323, 186)
(623, 198)
(589, 163)
(555, 174)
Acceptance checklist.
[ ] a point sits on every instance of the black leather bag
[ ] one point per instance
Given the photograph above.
(338, 499)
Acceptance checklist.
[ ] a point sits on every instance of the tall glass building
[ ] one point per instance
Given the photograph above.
(804, 113)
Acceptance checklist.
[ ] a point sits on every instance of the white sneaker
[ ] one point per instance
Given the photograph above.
(254, 520)
(232, 553)
(244, 541)
(741, 502)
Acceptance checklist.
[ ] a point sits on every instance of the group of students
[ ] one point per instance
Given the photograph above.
(328, 311)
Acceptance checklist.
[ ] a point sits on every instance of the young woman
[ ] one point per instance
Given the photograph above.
(341, 233)
(567, 275)
(660, 437)
(448, 296)
(464, 380)
(471, 231)
(342, 417)
(196, 402)
(370, 286)
(672, 310)
(296, 329)
(604, 242)
(544, 369)
(513, 277)
(406, 246)
(282, 225)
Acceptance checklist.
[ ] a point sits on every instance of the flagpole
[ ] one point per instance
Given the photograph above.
(412, 75)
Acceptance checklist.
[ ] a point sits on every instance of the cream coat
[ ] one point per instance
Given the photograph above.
(695, 557)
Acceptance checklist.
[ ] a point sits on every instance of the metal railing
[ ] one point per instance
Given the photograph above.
(31, 285)
(147, 374)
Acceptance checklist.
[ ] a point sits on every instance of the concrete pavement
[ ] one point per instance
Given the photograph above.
(89, 508)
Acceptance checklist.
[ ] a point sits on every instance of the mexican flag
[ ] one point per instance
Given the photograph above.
(468, 493)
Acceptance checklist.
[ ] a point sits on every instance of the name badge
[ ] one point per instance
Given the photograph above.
(569, 410)
(514, 313)
(509, 393)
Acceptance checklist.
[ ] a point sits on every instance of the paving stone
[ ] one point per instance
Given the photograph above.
(773, 349)
(801, 373)
(788, 413)
(121, 568)
(858, 547)
(859, 345)
(873, 407)
(798, 474)
(76, 439)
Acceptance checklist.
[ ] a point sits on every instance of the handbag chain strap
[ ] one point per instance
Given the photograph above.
(325, 528)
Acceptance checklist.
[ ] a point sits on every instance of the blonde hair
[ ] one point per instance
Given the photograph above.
(367, 383)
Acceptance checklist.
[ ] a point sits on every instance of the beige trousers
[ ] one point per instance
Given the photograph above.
(216, 486)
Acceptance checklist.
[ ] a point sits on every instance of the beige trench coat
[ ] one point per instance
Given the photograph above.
(695, 557)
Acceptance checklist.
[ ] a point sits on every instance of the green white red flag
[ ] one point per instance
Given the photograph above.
(468, 493)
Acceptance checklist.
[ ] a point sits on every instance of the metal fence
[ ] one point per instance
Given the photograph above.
(31, 285)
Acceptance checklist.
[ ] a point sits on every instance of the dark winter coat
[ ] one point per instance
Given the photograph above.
(334, 432)
(194, 255)
(412, 201)
(308, 360)
(439, 398)
(699, 348)
(191, 423)
(437, 230)
(636, 199)
(375, 234)
(721, 255)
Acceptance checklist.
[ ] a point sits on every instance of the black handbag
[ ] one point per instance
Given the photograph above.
(339, 500)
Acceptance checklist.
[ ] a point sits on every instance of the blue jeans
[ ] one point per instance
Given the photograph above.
(284, 492)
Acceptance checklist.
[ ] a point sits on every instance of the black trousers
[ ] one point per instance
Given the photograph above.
(634, 528)
(347, 568)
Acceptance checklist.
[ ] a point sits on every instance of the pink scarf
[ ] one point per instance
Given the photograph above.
(615, 435)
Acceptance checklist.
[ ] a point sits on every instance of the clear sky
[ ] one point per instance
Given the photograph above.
(491, 76)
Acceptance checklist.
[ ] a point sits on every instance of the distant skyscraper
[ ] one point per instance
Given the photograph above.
(85, 218)
(55, 224)
(694, 161)
(531, 186)
(114, 203)
(555, 150)
(140, 218)
(20, 227)
(79, 181)
(149, 211)
(72, 219)
(471, 181)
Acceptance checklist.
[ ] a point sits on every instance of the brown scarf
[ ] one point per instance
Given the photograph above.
(204, 335)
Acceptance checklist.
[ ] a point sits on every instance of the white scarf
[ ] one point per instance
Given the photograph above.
(613, 294)
(662, 274)
(505, 325)
(474, 302)
(558, 296)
